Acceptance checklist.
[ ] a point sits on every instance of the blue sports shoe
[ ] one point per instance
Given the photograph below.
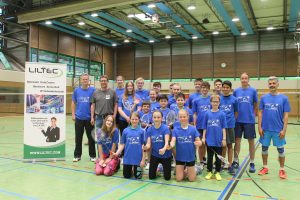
(252, 168)
(231, 170)
(235, 164)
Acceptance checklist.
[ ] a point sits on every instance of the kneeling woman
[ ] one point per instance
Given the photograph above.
(158, 137)
(186, 137)
(108, 138)
(132, 140)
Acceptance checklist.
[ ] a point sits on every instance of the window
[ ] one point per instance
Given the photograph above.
(33, 56)
(81, 66)
(70, 63)
(96, 69)
(46, 56)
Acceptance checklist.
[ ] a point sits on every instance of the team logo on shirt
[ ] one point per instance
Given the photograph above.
(243, 99)
(185, 139)
(226, 108)
(134, 140)
(214, 122)
(203, 108)
(157, 139)
(271, 106)
(84, 99)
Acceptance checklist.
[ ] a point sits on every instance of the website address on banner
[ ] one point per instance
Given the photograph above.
(44, 152)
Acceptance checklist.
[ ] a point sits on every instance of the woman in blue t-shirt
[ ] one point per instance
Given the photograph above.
(186, 137)
(108, 139)
(132, 140)
(158, 136)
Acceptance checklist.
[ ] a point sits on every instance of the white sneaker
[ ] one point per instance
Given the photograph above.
(93, 159)
(76, 159)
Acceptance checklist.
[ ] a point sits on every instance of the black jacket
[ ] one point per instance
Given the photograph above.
(52, 135)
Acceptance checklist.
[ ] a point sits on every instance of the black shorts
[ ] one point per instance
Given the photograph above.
(188, 164)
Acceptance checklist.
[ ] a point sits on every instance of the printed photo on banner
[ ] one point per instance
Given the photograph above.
(48, 104)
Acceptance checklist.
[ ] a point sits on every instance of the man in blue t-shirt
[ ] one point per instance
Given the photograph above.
(142, 93)
(272, 124)
(197, 93)
(81, 114)
(245, 122)
(119, 91)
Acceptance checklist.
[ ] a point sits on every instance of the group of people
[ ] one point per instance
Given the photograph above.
(136, 127)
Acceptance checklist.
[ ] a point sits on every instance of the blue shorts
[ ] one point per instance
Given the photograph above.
(246, 128)
(265, 140)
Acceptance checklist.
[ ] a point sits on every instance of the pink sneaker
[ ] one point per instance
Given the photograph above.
(263, 171)
(282, 174)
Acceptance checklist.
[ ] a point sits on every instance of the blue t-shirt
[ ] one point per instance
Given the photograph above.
(157, 136)
(192, 97)
(185, 138)
(147, 118)
(176, 110)
(128, 101)
(119, 92)
(228, 105)
(165, 113)
(133, 138)
(172, 101)
(107, 142)
(245, 99)
(154, 106)
(200, 106)
(273, 107)
(81, 97)
(143, 94)
(214, 122)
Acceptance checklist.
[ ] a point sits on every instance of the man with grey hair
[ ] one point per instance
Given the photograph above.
(272, 124)
(81, 114)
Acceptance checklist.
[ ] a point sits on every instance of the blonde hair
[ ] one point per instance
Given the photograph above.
(214, 96)
(109, 131)
(139, 79)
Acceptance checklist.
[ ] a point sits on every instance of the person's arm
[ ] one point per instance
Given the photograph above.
(198, 142)
(260, 131)
(148, 144)
(224, 137)
(195, 118)
(172, 143)
(122, 113)
(93, 114)
(255, 109)
(100, 152)
(115, 110)
(120, 149)
(163, 150)
(285, 122)
(204, 136)
(73, 108)
(57, 133)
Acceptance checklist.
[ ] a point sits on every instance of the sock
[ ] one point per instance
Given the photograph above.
(265, 166)
(281, 168)
(252, 161)
(236, 160)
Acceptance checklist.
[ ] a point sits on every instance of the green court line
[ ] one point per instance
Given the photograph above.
(134, 191)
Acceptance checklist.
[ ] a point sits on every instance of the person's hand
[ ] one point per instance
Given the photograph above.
(101, 162)
(260, 131)
(198, 143)
(203, 140)
(107, 160)
(92, 121)
(282, 134)
(162, 151)
(146, 147)
(136, 101)
(142, 164)
(224, 143)
(115, 155)
(127, 119)
(73, 117)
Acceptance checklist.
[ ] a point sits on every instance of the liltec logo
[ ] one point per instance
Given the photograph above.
(47, 72)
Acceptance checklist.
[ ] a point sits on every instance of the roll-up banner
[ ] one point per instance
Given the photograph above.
(44, 111)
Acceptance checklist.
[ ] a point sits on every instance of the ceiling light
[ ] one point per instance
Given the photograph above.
(178, 26)
(152, 5)
(81, 23)
(298, 29)
(215, 32)
(48, 22)
(130, 15)
(243, 33)
(151, 41)
(191, 7)
(114, 44)
(94, 15)
(168, 36)
(87, 35)
(126, 41)
(143, 17)
(235, 19)
(270, 28)
(194, 37)
(129, 31)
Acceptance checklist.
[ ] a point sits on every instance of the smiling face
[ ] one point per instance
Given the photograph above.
(226, 89)
(140, 84)
(157, 118)
(153, 95)
(134, 120)
(273, 85)
(244, 80)
(103, 83)
(183, 117)
(84, 80)
(109, 122)
(120, 81)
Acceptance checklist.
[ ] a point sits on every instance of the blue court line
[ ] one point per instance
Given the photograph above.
(16, 194)
(234, 177)
(89, 172)
(111, 190)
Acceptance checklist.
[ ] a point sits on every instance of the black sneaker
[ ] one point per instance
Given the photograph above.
(235, 164)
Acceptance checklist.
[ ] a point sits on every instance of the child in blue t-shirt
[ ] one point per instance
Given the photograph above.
(158, 136)
(186, 137)
(107, 139)
(214, 134)
(132, 140)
